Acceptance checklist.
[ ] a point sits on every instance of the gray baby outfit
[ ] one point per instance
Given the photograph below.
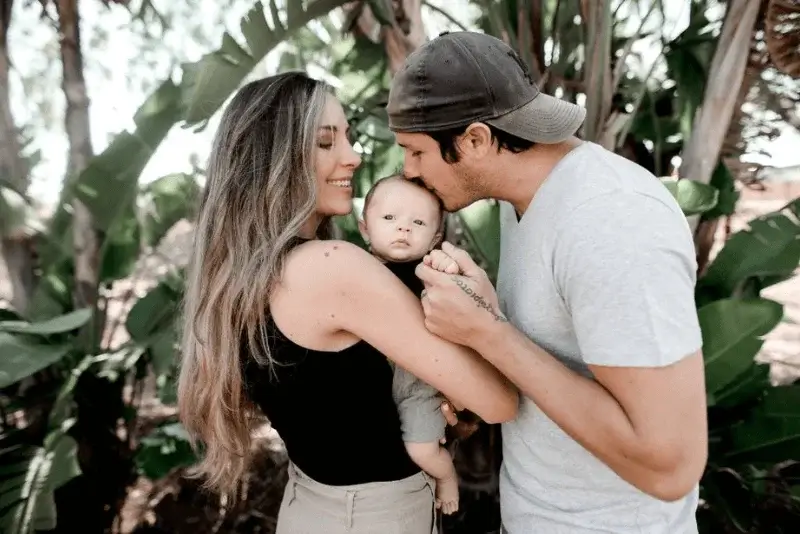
(418, 403)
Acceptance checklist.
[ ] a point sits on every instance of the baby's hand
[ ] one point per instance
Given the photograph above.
(436, 259)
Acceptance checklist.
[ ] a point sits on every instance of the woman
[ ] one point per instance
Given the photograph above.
(283, 322)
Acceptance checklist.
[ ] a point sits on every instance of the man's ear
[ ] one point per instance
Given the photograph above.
(362, 228)
(476, 140)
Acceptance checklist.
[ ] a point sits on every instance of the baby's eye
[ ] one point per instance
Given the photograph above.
(388, 217)
(419, 222)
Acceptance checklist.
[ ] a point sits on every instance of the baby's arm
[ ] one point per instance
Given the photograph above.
(422, 424)
(436, 461)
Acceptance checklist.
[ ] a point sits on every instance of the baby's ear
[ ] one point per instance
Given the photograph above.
(362, 228)
(436, 241)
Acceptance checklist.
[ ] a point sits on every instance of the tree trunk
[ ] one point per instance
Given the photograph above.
(85, 238)
(597, 75)
(15, 243)
(403, 36)
(89, 502)
(706, 231)
(727, 70)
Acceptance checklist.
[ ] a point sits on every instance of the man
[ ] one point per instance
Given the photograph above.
(594, 317)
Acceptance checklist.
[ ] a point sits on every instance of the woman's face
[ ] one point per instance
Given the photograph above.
(336, 161)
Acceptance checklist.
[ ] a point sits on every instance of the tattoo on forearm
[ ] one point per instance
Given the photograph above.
(479, 300)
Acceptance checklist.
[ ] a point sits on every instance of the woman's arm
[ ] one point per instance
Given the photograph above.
(354, 292)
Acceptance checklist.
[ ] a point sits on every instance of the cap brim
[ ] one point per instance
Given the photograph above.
(545, 119)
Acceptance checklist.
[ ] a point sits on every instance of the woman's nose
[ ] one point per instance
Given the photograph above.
(351, 157)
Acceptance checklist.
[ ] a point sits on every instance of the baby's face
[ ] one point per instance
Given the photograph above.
(401, 222)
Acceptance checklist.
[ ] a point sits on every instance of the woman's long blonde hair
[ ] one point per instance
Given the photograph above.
(260, 191)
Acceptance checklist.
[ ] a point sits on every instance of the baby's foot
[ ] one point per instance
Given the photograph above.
(447, 495)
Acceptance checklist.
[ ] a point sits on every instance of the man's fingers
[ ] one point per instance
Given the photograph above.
(428, 275)
(464, 261)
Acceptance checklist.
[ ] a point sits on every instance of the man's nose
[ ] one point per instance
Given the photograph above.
(409, 165)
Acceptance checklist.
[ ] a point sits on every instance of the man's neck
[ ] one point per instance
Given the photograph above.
(522, 174)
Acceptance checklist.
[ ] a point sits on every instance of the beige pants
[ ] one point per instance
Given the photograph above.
(401, 507)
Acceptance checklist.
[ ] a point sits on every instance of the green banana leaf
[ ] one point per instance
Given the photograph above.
(208, 83)
(694, 198)
(766, 253)
(732, 336)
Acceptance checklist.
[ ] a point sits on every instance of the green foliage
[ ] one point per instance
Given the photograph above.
(42, 346)
(694, 198)
(732, 336)
(766, 253)
(163, 450)
(211, 81)
(723, 181)
(752, 425)
(28, 478)
(110, 181)
(32, 471)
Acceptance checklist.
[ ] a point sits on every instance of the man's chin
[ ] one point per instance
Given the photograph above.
(451, 206)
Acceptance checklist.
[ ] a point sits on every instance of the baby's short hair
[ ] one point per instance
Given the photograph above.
(398, 176)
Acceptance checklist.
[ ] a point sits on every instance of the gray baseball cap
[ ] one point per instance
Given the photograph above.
(463, 77)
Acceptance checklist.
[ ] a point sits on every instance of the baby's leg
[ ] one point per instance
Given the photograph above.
(436, 461)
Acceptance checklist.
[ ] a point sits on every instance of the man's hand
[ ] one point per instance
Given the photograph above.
(458, 429)
(457, 307)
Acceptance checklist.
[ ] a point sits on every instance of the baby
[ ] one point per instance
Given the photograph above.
(401, 222)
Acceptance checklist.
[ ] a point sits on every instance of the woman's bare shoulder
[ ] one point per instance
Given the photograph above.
(326, 262)
(316, 281)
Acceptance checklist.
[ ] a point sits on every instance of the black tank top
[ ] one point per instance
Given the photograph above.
(333, 410)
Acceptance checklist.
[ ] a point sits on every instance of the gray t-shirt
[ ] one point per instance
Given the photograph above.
(599, 270)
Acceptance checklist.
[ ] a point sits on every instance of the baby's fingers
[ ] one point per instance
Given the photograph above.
(451, 267)
(442, 262)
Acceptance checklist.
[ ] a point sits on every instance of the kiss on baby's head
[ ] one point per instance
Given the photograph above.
(401, 219)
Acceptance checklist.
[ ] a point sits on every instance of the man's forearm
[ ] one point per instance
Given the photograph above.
(581, 407)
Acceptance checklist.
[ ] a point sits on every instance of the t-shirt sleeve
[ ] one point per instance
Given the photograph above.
(625, 267)
(419, 408)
